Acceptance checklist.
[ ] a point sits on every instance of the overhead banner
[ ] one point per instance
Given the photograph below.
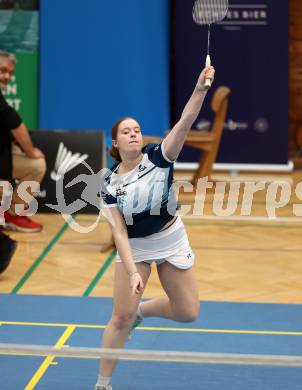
(249, 50)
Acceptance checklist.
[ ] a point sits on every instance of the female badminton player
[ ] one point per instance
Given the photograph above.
(141, 208)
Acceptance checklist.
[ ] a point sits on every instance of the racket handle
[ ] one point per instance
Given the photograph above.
(208, 82)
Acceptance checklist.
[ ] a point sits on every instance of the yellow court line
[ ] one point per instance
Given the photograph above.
(49, 359)
(233, 331)
(51, 324)
(149, 328)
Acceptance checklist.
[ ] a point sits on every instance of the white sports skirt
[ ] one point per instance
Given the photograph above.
(170, 245)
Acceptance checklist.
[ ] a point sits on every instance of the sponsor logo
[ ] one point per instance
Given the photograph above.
(203, 124)
(261, 125)
(65, 162)
(235, 126)
(120, 192)
(240, 15)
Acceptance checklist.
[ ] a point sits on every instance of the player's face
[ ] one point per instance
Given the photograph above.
(6, 70)
(129, 137)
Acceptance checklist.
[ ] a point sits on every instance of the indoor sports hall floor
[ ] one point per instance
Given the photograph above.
(222, 327)
(57, 292)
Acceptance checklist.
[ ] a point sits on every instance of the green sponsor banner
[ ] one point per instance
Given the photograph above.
(22, 91)
(19, 34)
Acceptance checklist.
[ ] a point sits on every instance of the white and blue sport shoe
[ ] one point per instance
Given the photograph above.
(97, 387)
(138, 320)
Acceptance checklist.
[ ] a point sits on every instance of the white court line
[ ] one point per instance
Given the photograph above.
(243, 218)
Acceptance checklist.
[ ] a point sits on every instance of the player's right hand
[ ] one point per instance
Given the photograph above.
(207, 73)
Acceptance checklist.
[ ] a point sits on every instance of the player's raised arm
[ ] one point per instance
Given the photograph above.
(174, 141)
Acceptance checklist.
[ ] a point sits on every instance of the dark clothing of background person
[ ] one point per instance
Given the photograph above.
(9, 119)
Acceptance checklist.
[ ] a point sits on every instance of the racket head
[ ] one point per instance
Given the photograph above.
(206, 12)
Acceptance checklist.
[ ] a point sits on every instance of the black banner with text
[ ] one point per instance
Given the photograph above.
(249, 50)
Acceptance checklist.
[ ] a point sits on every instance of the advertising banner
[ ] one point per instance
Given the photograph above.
(73, 160)
(249, 50)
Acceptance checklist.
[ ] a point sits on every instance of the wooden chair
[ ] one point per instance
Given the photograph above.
(208, 141)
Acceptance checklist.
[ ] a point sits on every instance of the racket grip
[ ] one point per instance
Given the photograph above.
(208, 82)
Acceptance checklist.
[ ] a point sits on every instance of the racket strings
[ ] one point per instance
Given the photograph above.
(209, 11)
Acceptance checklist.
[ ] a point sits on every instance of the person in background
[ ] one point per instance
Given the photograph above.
(7, 250)
(20, 160)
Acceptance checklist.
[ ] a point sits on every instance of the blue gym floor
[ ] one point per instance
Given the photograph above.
(221, 327)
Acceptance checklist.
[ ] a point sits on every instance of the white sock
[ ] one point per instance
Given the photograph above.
(104, 380)
(139, 312)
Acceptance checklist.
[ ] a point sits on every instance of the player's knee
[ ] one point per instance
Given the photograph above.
(122, 320)
(189, 313)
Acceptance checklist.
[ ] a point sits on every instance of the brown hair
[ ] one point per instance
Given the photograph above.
(114, 153)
